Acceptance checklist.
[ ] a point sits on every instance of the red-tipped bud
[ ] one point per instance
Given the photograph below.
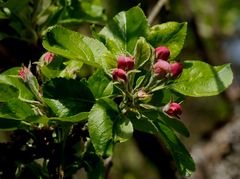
(176, 69)
(23, 72)
(161, 68)
(162, 52)
(119, 74)
(125, 63)
(173, 109)
(48, 57)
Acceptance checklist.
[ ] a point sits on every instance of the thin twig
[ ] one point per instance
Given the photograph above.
(156, 10)
(108, 163)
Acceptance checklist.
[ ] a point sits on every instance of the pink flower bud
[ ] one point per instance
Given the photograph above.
(125, 63)
(48, 57)
(119, 74)
(176, 69)
(173, 109)
(162, 52)
(23, 73)
(143, 96)
(161, 68)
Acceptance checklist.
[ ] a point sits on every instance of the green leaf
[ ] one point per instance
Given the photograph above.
(139, 81)
(142, 53)
(73, 68)
(176, 125)
(16, 82)
(201, 79)
(121, 34)
(8, 124)
(164, 96)
(76, 118)
(11, 71)
(170, 34)
(8, 92)
(123, 129)
(100, 129)
(184, 161)
(71, 94)
(53, 69)
(143, 123)
(15, 109)
(57, 107)
(100, 85)
(80, 11)
(16, 6)
(73, 45)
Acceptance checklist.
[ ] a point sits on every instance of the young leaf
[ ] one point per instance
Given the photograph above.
(142, 53)
(123, 129)
(201, 79)
(121, 34)
(73, 45)
(184, 161)
(53, 69)
(72, 94)
(100, 85)
(100, 128)
(170, 34)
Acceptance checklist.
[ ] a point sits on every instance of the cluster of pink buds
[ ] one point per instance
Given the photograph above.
(125, 64)
(162, 67)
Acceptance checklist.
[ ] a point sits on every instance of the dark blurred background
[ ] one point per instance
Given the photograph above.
(214, 37)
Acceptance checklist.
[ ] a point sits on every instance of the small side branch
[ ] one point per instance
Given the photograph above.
(156, 10)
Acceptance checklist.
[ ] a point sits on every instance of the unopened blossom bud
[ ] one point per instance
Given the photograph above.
(161, 68)
(173, 109)
(119, 74)
(23, 72)
(176, 69)
(162, 52)
(48, 57)
(125, 63)
(143, 96)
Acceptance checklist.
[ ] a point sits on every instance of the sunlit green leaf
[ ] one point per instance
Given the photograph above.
(143, 53)
(73, 45)
(121, 34)
(100, 129)
(170, 34)
(201, 79)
